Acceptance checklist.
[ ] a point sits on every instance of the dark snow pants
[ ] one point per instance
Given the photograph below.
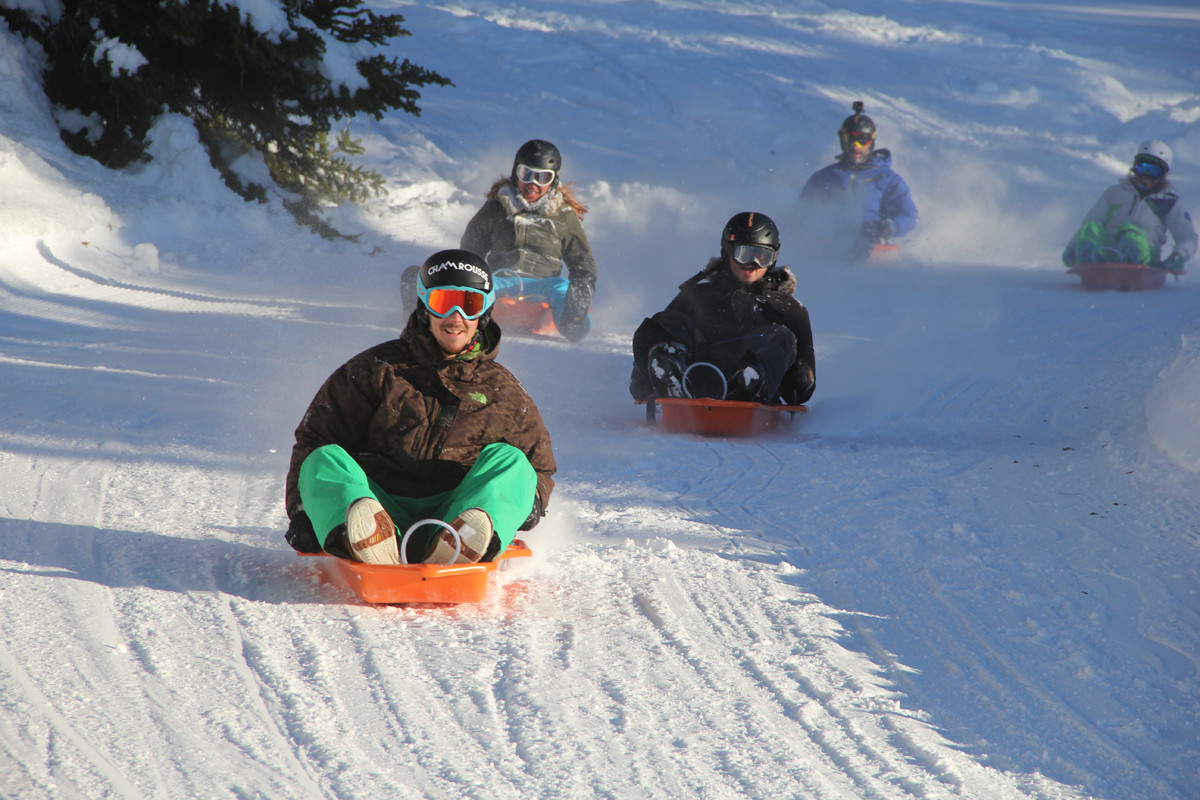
(771, 349)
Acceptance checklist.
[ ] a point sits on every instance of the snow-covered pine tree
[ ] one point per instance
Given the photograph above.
(113, 66)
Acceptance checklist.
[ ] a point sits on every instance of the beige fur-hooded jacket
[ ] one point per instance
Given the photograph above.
(534, 239)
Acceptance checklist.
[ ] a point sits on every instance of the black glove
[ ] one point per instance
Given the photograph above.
(535, 516)
(575, 309)
(300, 534)
(1173, 262)
(878, 231)
(798, 384)
(408, 291)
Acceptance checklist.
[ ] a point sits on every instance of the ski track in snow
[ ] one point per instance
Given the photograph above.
(969, 572)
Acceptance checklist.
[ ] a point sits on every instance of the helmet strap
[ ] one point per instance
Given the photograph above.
(469, 351)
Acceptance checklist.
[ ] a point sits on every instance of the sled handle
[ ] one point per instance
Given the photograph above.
(515, 274)
(724, 383)
(419, 523)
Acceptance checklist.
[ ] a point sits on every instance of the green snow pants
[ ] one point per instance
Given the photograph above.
(501, 482)
(1125, 240)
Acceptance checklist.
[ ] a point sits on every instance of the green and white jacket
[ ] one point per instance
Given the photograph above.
(1157, 214)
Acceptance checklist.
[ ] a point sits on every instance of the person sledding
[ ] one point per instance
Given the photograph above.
(858, 201)
(734, 331)
(1131, 221)
(528, 228)
(426, 427)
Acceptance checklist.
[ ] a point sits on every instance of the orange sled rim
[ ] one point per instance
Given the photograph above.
(420, 583)
(883, 252)
(710, 417)
(1119, 276)
(525, 314)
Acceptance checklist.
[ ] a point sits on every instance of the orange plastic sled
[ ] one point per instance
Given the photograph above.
(525, 314)
(1120, 276)
(709, 417)
(883, 252)
(420, 583)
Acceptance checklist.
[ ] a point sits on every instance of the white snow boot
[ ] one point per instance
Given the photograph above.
(371, 533)
(474, 528)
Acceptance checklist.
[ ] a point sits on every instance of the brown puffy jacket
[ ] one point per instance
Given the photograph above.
(416, 421)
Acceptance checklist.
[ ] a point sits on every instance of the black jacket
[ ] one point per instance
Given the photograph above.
(713, 307)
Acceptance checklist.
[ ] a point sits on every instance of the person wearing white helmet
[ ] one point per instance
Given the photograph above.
(1131, 221)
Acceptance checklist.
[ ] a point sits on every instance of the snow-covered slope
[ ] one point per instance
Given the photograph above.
(971, 571)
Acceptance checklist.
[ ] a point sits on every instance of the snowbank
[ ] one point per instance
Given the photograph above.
(1173, 408)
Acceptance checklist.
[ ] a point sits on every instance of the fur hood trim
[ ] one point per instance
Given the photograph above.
(779, 279)
(548, 205)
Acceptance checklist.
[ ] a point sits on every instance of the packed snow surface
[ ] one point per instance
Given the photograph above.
(970, 571)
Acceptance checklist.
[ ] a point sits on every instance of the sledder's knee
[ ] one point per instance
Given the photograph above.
(502, 455)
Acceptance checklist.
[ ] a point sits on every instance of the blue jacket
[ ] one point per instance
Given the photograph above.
(879, 190)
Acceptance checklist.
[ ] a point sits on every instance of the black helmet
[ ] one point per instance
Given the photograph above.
(460, 269)
(750, 228)
(857, 126)
(538, 154)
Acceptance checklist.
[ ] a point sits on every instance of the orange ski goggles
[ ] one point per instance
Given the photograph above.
(442, 301)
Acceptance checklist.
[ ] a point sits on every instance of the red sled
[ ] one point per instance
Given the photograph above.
(1120, 276)
(420, 583)
(883, 252)
(709, 417)
(528, 314)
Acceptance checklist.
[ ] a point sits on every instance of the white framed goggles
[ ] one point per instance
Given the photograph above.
(760, 254)
(442, 301)
(538, 177)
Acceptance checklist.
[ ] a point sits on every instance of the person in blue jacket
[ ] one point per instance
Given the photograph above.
(859, 200)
